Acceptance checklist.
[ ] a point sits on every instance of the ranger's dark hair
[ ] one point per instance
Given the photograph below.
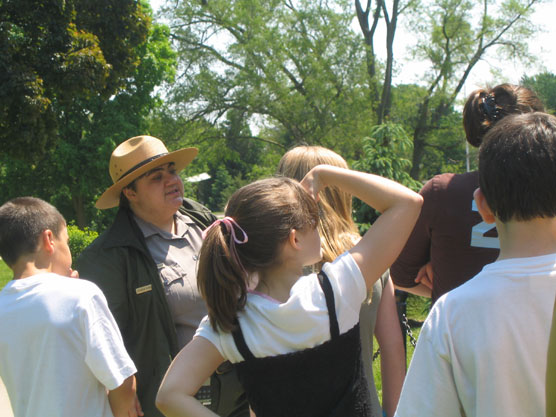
(22, 220)
(124, 202)
(267, 210)
(517, 167)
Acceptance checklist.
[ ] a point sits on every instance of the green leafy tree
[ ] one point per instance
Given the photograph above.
(74, 172)
(544, 84)
(453, 36)
(293, 69)
(385, 152)
(97, 126)
(54, 53)
(369, 18)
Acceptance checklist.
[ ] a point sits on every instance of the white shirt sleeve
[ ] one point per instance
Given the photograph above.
(429, 388)
(206, 331)
(105, 353)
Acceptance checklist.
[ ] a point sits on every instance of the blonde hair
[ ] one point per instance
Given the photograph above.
(336, 227)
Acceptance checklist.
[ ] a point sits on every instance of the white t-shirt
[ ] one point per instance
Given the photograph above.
(60, 348)
(483, 349)
(271, 328)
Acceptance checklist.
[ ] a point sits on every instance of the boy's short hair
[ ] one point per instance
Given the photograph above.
(22, 220)
(517, 167)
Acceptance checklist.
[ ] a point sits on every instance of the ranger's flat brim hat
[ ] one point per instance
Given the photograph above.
(133, 158)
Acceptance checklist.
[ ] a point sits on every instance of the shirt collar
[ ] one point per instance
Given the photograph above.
(182, 221)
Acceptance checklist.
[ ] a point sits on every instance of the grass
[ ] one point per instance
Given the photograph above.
(417, 310)
(5, 274)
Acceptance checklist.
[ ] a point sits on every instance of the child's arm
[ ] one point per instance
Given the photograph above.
(123, 400)
(400, 207)
(392, 353)
(195, 363)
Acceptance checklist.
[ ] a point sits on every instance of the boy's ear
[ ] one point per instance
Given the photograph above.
(292, 239)
(47, 240)
(483, 207)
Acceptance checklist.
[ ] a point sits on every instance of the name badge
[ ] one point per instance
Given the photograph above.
(143, 289)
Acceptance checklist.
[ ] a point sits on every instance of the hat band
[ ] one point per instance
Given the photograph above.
(140, 164)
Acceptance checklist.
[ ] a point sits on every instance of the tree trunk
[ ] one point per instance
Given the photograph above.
(79, 209)
(385, 105)
(418, 153)
(419, 136)
(368, 32)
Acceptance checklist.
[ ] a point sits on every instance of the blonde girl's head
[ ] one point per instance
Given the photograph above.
(262, 215)
(336, 227)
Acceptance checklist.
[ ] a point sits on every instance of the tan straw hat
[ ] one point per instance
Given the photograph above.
(135, 157)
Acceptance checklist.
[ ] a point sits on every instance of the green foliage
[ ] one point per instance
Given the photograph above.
(256, 78)
(385, 153)
(6, 274)
(446, 151)
(79, 239)
(222, 188)
(248, 80)
(544, 85)
(72, 174)
(386, 150)
(56, 53)
(295, 70)
(453, 36)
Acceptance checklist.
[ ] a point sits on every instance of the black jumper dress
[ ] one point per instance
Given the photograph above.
(324, 381)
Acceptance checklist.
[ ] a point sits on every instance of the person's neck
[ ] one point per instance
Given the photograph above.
(164, 223)
(277, 282)
(524, 239)
(27, 267)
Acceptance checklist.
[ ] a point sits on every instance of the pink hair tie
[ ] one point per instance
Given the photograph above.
(230, 224)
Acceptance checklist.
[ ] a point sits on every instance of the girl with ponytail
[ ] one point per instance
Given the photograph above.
(294, 339)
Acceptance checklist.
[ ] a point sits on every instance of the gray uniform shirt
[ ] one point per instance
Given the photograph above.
(176, 258)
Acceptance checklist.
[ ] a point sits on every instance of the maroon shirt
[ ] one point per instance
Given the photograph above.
(443, 236)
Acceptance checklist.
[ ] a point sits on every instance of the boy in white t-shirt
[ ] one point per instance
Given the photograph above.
(483, 348)
(61, 353)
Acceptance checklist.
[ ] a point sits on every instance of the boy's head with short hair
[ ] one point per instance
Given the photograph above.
(517, 167)
(22, 222)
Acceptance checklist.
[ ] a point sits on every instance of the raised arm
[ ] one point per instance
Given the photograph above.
(400, 207)
(392, 354)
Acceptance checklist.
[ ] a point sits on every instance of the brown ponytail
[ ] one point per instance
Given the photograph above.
(221, 280)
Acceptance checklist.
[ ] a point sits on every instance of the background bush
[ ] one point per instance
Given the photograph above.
(79, 240)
